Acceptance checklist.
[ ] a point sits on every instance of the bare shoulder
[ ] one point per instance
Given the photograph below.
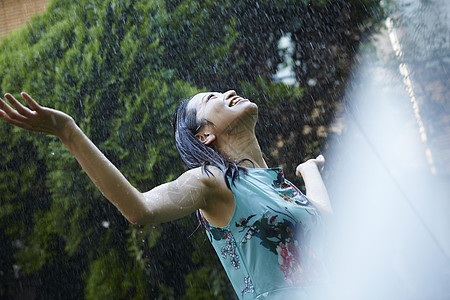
(211, 183)
(212, 179)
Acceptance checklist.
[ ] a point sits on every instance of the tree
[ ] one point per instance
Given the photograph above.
(101, 62)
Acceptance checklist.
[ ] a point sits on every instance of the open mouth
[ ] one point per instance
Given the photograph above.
(235, 100)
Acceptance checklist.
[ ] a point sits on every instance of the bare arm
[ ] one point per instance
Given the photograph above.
(316, 191)
(163, 203)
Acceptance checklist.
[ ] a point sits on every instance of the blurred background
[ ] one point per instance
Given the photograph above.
(366, 83)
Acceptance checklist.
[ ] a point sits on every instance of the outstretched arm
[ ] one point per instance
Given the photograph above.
(163, 203)
(316, 191)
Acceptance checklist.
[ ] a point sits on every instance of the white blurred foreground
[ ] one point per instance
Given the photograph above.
(390, 233)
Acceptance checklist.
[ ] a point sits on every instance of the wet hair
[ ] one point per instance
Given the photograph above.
(193, 152)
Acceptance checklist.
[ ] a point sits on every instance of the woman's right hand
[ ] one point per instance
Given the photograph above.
(316, 191)
(38, 119)
(317, 162)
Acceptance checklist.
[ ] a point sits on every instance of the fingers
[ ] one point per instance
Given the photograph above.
(317, 162)
(31, 102)
(10, 113)
(320, 160)
(15, 122)
(17, 105)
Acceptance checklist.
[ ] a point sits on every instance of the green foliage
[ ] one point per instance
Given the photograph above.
(199, 40)
(119, 67)
(102, 64)
(112, 278)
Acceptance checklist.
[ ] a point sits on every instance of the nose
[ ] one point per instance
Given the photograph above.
(228, 94)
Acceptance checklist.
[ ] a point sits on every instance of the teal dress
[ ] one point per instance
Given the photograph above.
(271, 248)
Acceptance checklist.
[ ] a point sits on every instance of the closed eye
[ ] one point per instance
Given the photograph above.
(209, 97)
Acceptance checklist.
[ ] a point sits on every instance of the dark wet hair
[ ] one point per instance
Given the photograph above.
(193, 152)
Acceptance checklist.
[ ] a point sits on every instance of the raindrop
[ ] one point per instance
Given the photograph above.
(312, 82)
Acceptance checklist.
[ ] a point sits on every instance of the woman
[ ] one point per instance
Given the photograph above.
(263, 229)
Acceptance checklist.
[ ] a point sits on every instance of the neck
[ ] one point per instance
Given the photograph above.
(241, 143)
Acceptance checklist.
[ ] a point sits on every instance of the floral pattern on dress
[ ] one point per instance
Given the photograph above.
(229, 250)
(288, 192)
(249, 288)
(287, 238)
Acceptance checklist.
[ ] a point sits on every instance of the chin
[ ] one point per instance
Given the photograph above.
(254, 108)
(251, 111)
(248, 105)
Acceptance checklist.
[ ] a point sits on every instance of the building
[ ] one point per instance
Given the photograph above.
(16, 13)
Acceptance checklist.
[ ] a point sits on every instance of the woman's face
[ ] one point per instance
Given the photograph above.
(224, 109)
